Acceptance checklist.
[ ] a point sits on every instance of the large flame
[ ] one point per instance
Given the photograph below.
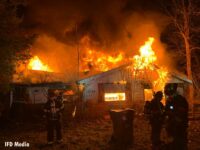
(100, 61)
(147, 56)
(160, 82)
(36, 64)
(103, 62)
(145, 63)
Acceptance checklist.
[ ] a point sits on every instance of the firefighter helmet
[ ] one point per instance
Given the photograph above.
(170, 88)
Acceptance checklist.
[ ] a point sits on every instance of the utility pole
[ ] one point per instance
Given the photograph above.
(77, 100)
(78, 54)
(78, 67)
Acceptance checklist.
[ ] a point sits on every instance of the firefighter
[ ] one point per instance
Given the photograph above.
(176, 111)
(53, 111)
(156, 119)
(147, 110)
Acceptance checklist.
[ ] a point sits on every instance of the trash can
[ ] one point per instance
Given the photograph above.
(122, 120)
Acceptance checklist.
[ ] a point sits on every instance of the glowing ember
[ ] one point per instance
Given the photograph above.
(36, 64)
(69, 92)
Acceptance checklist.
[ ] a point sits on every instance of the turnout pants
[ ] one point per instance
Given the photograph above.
(155, 134)
(54, 126)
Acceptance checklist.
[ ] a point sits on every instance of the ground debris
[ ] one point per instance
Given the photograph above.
(91, 135)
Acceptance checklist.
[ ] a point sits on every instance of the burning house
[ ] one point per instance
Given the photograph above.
(33, 82)
(118, 87)
(30, 98)
(29, 90)
(131, 84)
(127, 85)
(110, 86)
(35, 93)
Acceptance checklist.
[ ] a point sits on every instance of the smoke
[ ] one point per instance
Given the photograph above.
(111, 26)
(69, 21)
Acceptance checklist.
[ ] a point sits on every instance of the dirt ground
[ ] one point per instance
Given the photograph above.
(89, 135)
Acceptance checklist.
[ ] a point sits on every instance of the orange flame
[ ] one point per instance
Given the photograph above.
(100, 61)
(147, 56)
(146, 61)
(143, 64)
(160, 82)
(36, 64)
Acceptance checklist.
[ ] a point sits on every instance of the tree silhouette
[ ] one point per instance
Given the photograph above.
(14, 41)
(181, 36)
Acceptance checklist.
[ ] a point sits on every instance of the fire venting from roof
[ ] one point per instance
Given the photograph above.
(144, 65)
(100, 61)
(36, 64)
(147, 56)
(35, 71)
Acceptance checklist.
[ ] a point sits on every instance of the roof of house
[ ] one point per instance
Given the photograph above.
(172, 77)
(106, 72)
(176, 78)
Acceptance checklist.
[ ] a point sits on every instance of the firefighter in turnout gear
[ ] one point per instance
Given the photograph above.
(176, 111)
(53, 112)
(156, 119)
